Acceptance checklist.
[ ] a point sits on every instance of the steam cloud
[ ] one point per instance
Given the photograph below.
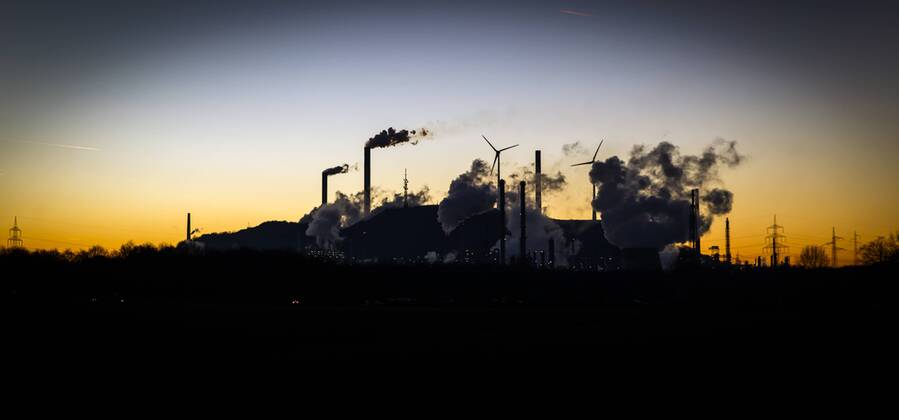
(469, 194)
(341, 169)
(539, 230)
(391, 137)
(325, 222)
(413, 199)
(646, 201)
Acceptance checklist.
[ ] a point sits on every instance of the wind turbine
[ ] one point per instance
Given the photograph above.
(594, 185)
(496, 161)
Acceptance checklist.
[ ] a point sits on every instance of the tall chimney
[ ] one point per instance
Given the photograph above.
(727, 240)
(694, 221)
(538, 184)
(502, 221)
(522, 243)
(324, 189)
(367, 182)
(552, 253)
(188, 227)
(697, 223)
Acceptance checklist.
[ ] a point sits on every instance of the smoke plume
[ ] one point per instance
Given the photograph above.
(391, 137)
(573, 149)
(646, 201)
(341, 169)
(718, 201)
(469, 194)
(550, 183)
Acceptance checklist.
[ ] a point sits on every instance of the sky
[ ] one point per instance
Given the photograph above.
(117, 119)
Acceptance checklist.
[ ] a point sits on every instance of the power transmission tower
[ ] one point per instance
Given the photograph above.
(775, 242)
(15, 235)
(855, 248)
(833, 245)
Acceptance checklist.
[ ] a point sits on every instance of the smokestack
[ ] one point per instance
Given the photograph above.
(694, 221)
(367, 182)
(188, 227)
(324, 188)
(502, 221)
(523, 239)
(537, 182)
(692, 233)
(727, 240)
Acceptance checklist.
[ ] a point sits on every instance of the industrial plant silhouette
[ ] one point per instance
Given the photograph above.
(483, 273)
(476, 220)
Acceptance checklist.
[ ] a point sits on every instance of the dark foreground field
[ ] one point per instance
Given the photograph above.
(244, 307)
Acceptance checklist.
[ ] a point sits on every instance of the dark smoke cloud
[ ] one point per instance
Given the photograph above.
(718, 201)
(469, 194)
(342, 169)
(550, 183)
(391, 137)
(646, 201)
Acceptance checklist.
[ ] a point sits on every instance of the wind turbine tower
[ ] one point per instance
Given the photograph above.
(496, 160)
(594, 185)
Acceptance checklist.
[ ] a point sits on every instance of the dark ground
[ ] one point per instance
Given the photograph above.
(241, 307)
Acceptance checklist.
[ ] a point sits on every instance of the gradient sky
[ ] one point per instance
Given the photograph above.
(116, 120)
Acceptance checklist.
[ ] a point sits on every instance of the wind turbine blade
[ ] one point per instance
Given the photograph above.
(597, 149)
(508, 148)
(582, 163)
(494, 163)
(488, 142)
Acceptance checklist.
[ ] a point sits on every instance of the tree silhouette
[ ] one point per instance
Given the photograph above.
(880, 250)
(813, 256)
